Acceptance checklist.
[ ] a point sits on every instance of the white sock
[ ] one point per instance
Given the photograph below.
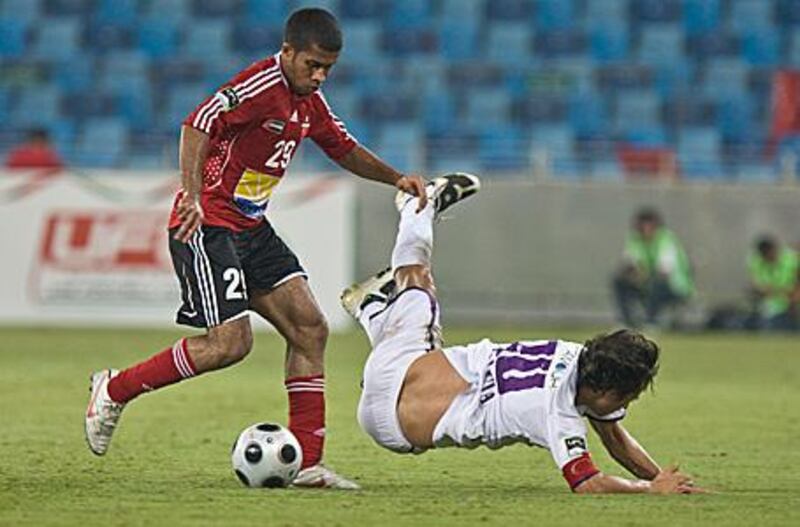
(414, 243)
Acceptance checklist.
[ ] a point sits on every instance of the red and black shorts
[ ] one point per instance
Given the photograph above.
(218, 266)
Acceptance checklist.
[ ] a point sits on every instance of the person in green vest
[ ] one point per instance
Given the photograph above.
(775, 281)
(656, 273)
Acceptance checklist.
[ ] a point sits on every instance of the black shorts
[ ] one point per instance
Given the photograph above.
(218, 266)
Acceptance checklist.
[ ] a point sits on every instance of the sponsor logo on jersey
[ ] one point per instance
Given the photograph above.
(575, 443)
(253, 191)
(275, 126)
(228, 98)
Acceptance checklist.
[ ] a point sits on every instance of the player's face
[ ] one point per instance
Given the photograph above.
(608, 402)
(306, 70)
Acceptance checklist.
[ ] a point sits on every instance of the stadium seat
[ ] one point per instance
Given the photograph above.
(13, 37)
(362, 40)
(4, 106)
(606, 11)
(385, 106)
(158, 38)
(788, 12)
(35, 106)
(656, 10)
(107, 36)
(254, 39)
(689, 110)
(402, 146)
(121, 68)
(609, 42)
(176, 11)
(117, 12)
(458, 39)
(725, 77)
(762, 47)
(748, 14)
(22, 10)
(103, 142)
(509, 42)
(736, 119)
(560, 43)
(538, 109)
(503, 147)
(706, 46)
(511, 10)
(207, 39)
(408, 14)
(409, 41)
(700, 16)
(554, 15)
(637, 111)
(438, 112)
(793, 53)
(661, 44)
(556, 144)
(67, 7)
(266, 12)
(462, 10)
(625, 76)
(588, 114)
(74, 76)
(181, 101)
(699, 154)
(57, 38)
(363, 8)
(217, 8)
(673, 78)
(487, 106)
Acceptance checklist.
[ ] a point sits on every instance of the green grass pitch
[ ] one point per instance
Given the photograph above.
(725, 407)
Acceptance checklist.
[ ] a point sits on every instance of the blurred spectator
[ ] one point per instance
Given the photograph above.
(775, 281)
(36, 152)
(655, 274)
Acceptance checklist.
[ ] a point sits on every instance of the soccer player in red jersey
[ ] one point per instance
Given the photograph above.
(234, 150)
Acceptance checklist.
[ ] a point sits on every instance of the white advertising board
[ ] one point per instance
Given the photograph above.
(91, 248)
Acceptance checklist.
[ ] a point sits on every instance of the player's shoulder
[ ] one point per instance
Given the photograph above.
(257, 78)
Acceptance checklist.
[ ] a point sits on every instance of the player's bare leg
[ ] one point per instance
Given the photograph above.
(293, 310)
(111, 390)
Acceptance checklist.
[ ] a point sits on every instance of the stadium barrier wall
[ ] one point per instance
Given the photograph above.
(545, 251)
(90, 248)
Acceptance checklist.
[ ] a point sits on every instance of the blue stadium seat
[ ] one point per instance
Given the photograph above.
(656, 10)
(762, 47)
(705, 46)
(207, 39)
(609, 42)
(557, 142)
(102, 143)
(588, 115)
(103, 37)
(748, 14)
(623, 76)
(58, 39)
(788, 12)
(13, 37)
(461, 10)
(409, 41)
(606, 11)
(402, 146)
(24, 10)
(4, 106)
(454, 150)
(254, 39)
(158, 38)
(793, 53)
(362, 41)
(736, 119)
(503, 147)
(385, 106)
(673, 78)
(118, 12)
(701, 16)
(363, 8)
(509, 42)
(409, 14)
(122, 68)
(176, 11)
(555, 14)
(458, 39)
(724, 77)
(699, 154)
(35, 106)
(62, 134)
(181, 101)
(636, 111)
(538, 109)
(75, 76)
(266, 12)
(487, 106)
(344, 101)
(438, 112)
(661, 44)
(511, 10)
(689, 110)
(646, 136)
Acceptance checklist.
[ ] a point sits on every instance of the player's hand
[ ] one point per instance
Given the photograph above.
(672, 481)
(191, 215)
(415, 186)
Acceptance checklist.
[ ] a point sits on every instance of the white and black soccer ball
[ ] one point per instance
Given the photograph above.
(266, 455)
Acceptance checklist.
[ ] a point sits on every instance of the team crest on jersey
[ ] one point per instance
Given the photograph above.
(228, 98)
(275, 126)
(575, 443)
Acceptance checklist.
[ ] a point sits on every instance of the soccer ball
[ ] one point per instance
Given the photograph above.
(266, 455)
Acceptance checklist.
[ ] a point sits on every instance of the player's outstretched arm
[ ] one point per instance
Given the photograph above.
(624, 448)
(364, 163)
(193, 149)
(669, 481)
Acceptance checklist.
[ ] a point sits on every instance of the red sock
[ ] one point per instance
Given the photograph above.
(307, 415)
(168, 367)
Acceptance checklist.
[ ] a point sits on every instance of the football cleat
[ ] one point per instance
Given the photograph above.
(102, 414)
(445, 191)
(377, 288)
(321, 477)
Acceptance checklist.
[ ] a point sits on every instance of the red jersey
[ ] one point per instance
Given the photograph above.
(255, 123)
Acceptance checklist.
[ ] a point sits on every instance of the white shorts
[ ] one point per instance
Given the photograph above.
(406, 329)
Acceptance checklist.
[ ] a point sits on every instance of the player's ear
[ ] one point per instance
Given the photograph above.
(287, 50)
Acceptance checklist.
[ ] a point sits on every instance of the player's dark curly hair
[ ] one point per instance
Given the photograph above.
(310, 26)
(623, 361)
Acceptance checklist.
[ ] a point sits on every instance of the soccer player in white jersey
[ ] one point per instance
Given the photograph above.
(418, 395)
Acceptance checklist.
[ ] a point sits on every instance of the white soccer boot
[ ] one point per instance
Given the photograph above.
(377, 288)
(102, 414)
(445, 191)
(321, 477)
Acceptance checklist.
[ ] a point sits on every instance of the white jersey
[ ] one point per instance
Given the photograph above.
(519, 392)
